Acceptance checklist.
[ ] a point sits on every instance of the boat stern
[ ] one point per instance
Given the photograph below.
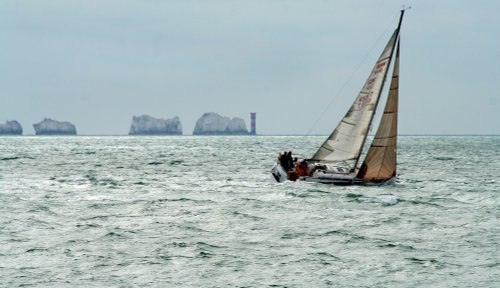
(279, 173)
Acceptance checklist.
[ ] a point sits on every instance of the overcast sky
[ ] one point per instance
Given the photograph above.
(98, 63)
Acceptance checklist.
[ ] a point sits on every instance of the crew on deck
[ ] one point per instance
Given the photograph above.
(301, 168)
(286, 161)
(292, 166)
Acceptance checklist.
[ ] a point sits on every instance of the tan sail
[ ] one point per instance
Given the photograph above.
(380, 161)
(346, 141)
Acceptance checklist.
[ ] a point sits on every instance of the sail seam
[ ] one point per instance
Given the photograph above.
(381, 138)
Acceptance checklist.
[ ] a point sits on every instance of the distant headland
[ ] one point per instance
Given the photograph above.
(147, 125)
(209, 123)
(11, 128)
(53, 127)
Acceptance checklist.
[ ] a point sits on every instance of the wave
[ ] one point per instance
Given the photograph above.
(384, 199)
(85, 153)
(335, 232)
(205, 254)
(206, 250)
(420, 202)
(88, 225)
(204, 245)
(10, 158)
(349, 237)
(42, 208)
(443, 158)
(101, 181)
(388, 244)
(15, 158)
(293, 235)
(176, 162)
(36, 249)
(192, 228)
(318, 191)
(352, 195)
(97, 217)
(182, 199)
(431, 262)
(325, 255)
(257, 218)
(118, 233)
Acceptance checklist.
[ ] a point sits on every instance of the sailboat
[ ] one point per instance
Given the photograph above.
(338, 159)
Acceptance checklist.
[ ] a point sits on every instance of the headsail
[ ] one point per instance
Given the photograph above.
(346, 141)
(380, 161)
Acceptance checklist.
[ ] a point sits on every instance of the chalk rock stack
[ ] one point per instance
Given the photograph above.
(53, 127)
(11, 128)
(147, 125)
(214, 124)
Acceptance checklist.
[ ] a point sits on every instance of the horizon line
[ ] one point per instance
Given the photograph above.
(246, 135)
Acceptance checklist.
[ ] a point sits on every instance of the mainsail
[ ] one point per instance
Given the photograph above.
(380, 161)
(346, 141)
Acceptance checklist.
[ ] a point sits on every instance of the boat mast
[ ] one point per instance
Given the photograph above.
(382, 88)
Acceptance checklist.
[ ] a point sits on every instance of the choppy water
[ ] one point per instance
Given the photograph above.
(205, 212)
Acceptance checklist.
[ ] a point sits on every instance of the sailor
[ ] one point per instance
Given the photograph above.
(304, 167)
(300, 168)
(290, 160)
(284, 161)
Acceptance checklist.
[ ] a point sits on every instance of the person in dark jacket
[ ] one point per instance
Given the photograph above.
(284, 161)
(290, 160)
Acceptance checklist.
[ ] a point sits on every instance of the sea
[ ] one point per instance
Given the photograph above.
(196, 211)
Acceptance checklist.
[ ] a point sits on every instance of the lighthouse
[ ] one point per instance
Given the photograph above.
(253, 129)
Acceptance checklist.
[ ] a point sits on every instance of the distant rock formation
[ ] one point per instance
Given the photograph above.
(147, 125)
(11, 128)
(214, 124)
(53, 127)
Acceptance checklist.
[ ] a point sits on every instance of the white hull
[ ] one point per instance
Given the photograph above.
(279, 173)
(320, 176)
(332, 175)
(329, 178)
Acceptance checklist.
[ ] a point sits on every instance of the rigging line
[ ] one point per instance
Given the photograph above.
(350, 77)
